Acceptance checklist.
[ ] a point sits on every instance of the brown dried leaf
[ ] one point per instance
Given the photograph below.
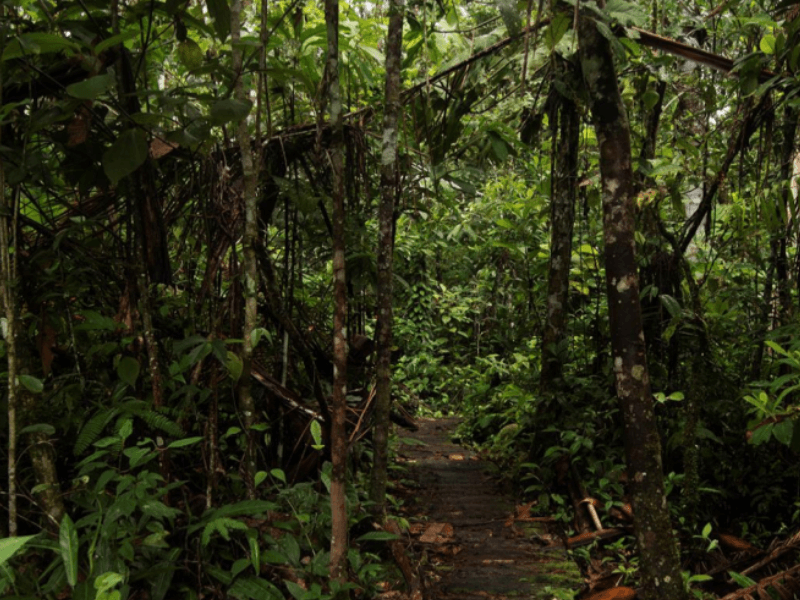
(159, 148)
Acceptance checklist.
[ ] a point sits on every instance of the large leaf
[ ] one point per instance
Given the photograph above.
(10, 546)
(68, 543)
(229, 110)
(128, 370)
(91, 88)
(37, 43)
(255, 588)
(125, 155)
(221, 13)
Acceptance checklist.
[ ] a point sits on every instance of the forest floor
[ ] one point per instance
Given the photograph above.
(470, 536)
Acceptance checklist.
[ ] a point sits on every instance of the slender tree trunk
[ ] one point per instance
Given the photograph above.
(339, 530)
(566, 122)
(658, 552)
(7, 264)
(782, 208)
(250, 266)
(389, 190)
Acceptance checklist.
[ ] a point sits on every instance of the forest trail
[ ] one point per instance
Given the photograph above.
(473, 540)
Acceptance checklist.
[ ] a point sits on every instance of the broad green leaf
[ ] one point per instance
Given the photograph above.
(190, 54)
(125, 155)
(107, 581)
(68, 544)
(185, 442)
(10, 546)
(32, 384)
(626, 13)
(116, 39)
(45, 428)
(672, 305)
(91, 88)
(229, 110)
(762, 434)
(128, 370)
(37, 43)
(255, 588)
(783, 432)
(278, 474)
(234, 365)
(221, 13)
(767, 44)
(316, 433)
(742, 580)
(510, 15)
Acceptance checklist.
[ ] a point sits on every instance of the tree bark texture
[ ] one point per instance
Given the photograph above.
(660, 574)
(250, 266)
(389, 191)
(338, 408)
(566, 125)
(9, 305)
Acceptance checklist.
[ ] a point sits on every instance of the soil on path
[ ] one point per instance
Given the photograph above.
(473, 539)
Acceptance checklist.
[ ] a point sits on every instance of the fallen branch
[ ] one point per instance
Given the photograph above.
(775, 581)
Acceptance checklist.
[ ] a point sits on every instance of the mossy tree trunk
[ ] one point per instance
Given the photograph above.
(565, 124)
(250, 266)
(659, 564)
(338, 408)
(389, 190)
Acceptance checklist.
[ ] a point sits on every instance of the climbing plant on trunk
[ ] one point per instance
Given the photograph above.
(658, 551)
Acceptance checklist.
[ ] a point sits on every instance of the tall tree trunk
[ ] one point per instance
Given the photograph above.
(389, 190)
(658, 551)
(782, 208)
(250, 266)
(339, 542)
(7, 264)
(566, 124)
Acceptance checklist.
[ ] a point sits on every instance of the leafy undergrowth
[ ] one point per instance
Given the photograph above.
(134, 538)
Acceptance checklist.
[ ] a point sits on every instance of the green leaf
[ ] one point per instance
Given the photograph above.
(767, 44)
(68, 544)
(45, 428)
(510, 15)
(32, 384)
(190, 54)
(37, 43)
(126, 155)
(761, 435)
(107, 581)
(706, 530)
(626, 13)
(279, 474)
(234, 365)
(671, 304)
(221, 13)
(378, 536)
(316, 433)
(783, 431)
(91, 88)
(128, 370)
(229, 110)
(116, 39)
(10, 546)
(743, 580)
(254, 588)
(185, 442)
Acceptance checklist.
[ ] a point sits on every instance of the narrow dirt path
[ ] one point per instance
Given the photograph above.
(466, 531)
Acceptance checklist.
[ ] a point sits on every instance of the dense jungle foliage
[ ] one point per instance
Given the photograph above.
(134, 468)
